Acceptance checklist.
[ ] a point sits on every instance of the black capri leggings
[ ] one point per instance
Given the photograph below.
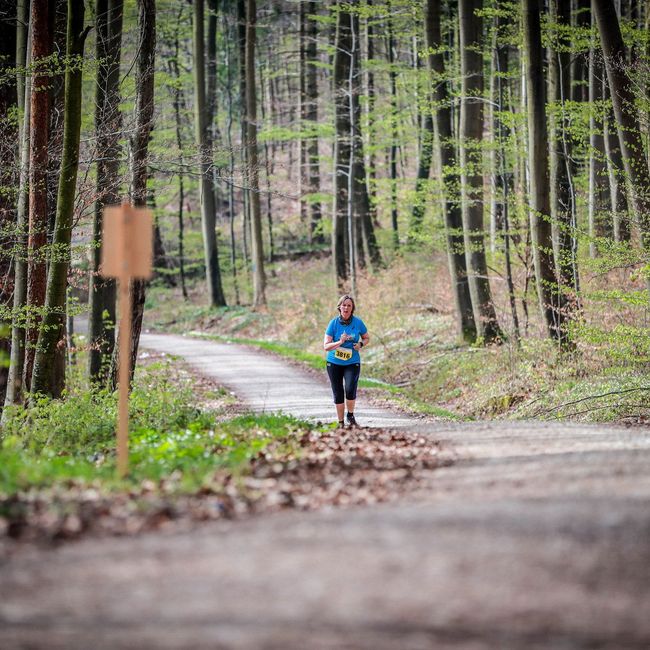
(337, 374)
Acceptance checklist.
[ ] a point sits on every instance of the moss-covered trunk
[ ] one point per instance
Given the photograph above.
(45, 379)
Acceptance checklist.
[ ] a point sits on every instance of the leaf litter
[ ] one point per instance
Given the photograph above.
(331, 468)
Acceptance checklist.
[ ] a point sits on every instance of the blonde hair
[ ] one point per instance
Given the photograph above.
(342, 299)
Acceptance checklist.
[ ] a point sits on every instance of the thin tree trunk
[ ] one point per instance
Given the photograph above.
(364, 229)
(241, 17)
(448, 164)
(599, 190)
(615, 173)
(202, 130)
(14, 391)
(311, 115)
(302, 96)
(267, 175)
(343, 150)
(549, 294)
(350, 211)
(370, 102)
(471, 134)
(46, 378)
(562, 168)
(178, 101)
(39, 124)
(231, 166)
(143, 111)
(502, 212)
(496, 215)
(629, 132)
(392, 74)
(257, 247)
(108, 123)
(9, 156)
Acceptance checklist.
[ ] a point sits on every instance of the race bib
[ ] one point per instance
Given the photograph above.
(342, 353)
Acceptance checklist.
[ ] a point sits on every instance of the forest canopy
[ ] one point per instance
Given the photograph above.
(500, 149)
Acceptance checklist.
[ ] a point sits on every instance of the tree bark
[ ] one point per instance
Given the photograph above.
(9, 154)
(241, 29)
(629, 132)
(202, 132)
(46, 379)
(143, 111)
(471, 134)
(311, 116)
(562, 167)
(616, 174)
(343, 150)
(39, 128)
(14, 390)
(108, 126)
(600, 204)
(392, 74)
(549, 294)
(257, 246)
(361, 201)
(448, 164)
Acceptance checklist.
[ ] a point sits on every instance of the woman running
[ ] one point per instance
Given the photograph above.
(345, 336)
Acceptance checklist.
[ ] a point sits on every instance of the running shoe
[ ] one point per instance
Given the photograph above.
(351, 421)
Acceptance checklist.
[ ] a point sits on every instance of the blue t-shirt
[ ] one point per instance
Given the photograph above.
(355, 329)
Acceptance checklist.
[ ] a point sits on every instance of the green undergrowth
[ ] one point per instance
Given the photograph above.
(171, 441)
(414, 354)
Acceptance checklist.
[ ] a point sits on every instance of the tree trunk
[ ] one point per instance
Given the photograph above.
(302, 96)
(581, 22)
(471, 134)
(370, 103)
(108, 126)
(267, 174)
(600, 204)
(202, 132)
(45, 378)
(616, 174)
(343, 150)
(14, 390)
(9, 154)
(241, 20)
(231, 165)
(562, 168)
(549, 294)
(360, 201)
(311, 115)
(424, 169)
(143, 111)
(257, 247)
(629, 132)
(448, 164)
(58, 26)
(39, 124)
(392, 74)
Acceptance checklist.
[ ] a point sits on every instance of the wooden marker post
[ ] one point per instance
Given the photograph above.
(127, 253)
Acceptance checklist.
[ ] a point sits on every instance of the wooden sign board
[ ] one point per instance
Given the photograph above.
(127, 246)
(127, 252)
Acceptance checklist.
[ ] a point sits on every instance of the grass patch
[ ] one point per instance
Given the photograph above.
(171, 441)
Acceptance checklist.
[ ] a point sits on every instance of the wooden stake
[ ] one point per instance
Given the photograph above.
(126, 254)
(123, 378)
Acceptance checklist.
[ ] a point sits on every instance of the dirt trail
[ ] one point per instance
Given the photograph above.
(537, 537)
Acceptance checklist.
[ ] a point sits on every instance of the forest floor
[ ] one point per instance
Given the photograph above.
(518, 535)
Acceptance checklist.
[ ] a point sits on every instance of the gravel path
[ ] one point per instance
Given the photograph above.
(537, 537)
(265, 382)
